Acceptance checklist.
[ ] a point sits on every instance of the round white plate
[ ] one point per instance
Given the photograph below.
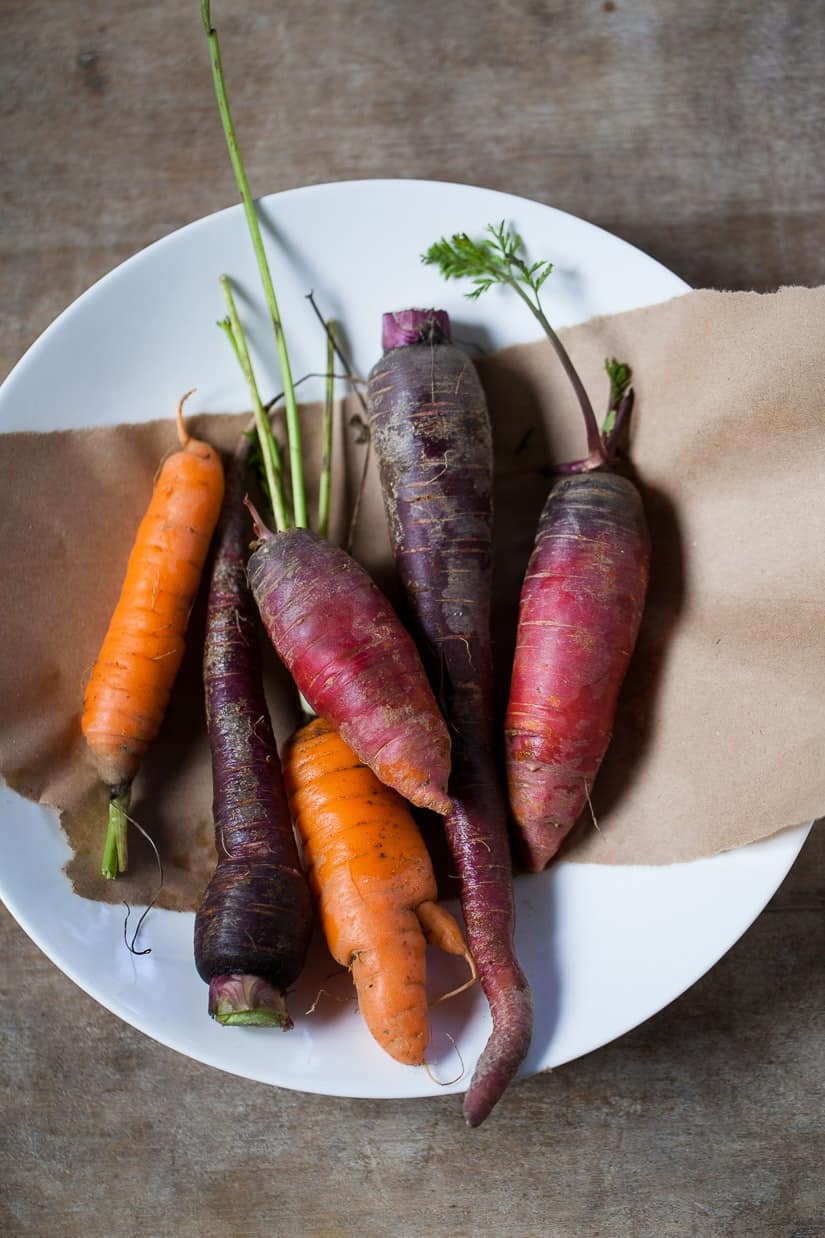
(604, 948)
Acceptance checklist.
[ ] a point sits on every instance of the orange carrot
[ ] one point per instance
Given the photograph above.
(131, 681)
(372, 876)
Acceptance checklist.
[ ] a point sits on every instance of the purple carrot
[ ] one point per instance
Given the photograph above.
(253, 926)
(431, 434)
(352, 660)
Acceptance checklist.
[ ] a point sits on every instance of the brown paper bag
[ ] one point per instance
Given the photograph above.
(721, 726)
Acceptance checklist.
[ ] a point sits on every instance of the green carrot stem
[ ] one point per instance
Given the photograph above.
(247, 1001)
(290, 403)
(325, 479)
(497, 259)
(273, 470)
(353, 381)
(338, 350)
(225, 325)
(619, 374)
(595, 447)
(115, 849)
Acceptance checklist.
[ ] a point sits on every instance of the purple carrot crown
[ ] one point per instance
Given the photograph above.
(415, 326)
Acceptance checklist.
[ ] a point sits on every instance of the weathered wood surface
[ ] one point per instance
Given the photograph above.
(692, 130)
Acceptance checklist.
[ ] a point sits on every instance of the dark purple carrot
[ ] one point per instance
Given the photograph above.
(253, 926)
(431, 434)
(584, 589)
(352, 660)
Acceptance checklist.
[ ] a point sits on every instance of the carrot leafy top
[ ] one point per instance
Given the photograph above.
(495, 259)
(498, 258)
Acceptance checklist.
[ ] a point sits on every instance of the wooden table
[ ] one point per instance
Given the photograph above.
(694, 131)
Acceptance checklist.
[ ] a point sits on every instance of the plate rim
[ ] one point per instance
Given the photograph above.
(29, 357)
(350, 184)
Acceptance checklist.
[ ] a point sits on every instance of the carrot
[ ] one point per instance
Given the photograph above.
(374, 882)
(132, 679)
(579, 614)
(351, 660)
(345, 648)
(253, 925)
(432, 438)
(583, 593)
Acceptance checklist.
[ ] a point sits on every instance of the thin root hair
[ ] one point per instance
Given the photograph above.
(356, 382)
(590, 806)
(270, 404)
(340, 998)
(462, 988)
(130, 946)
(445, 1083)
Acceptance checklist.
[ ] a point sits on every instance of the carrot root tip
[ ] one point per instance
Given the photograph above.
(506, 1049)
(247, 1001)
(462, 988)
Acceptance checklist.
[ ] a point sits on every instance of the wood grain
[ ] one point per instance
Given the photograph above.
(692, 130)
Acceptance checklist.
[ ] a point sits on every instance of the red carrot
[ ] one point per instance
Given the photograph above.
(431, 433)
(583, 593)
(352, 661)
(253, 926)
(580, 610)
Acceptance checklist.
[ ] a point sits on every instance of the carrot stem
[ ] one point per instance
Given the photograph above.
(595, 448)
(270, 453)
(247, 1001)
(325, 479)
(338, 350)
(290, 402)
(354, 384)
(258, 525)
(115, 849)
(613, 428)
(183, 434)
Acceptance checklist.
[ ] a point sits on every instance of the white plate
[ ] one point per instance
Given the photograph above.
(604, 948)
